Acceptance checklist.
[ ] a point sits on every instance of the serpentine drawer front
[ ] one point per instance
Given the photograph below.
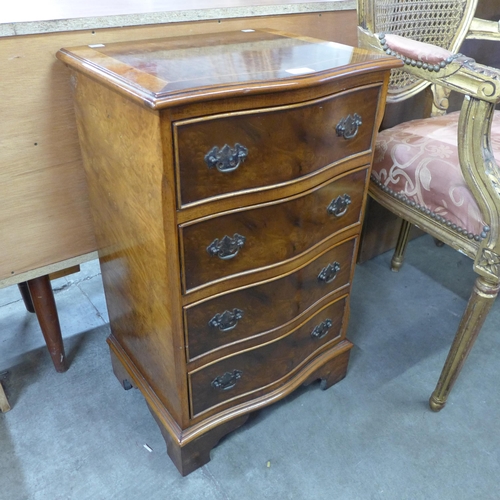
(226, 245)
(241, 374)
(300, 139)
(227, 178)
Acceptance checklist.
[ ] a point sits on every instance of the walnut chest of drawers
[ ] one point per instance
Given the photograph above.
(227, 177)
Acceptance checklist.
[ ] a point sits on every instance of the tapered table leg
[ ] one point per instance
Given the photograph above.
(25, 294)
(46, 312)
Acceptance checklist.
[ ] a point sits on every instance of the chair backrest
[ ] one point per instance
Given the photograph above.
(444, 23)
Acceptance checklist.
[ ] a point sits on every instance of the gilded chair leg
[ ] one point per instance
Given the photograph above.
(399, 252)
(4, 403)
(46, 312)
(482, 297)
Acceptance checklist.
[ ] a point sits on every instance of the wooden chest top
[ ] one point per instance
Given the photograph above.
(165, 72)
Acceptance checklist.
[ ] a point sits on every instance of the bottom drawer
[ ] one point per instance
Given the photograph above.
(246, 372)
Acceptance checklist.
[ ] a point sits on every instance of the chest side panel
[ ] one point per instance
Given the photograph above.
(123, 157)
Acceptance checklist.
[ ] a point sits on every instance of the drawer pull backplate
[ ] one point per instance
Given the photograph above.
(329, 273)
(227, 248)
(226, 159)
(338, 206)
(348, 127)
(322, 329)
(227, 320)
(226, 381)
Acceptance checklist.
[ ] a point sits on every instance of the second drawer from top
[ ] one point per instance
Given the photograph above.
(256, 237)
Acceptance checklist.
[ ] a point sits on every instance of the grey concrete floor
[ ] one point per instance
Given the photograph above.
(79, 435)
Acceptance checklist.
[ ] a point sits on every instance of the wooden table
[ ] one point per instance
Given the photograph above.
(45, 223)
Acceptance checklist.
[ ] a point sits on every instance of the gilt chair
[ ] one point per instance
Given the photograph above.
(440, 173)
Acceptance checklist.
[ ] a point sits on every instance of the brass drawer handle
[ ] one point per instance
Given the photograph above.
(338, 206)
(329, 273)
(227, 320)
(322, 329)
(348, 127)
(226, 381)
(226, 159)
(227, 248)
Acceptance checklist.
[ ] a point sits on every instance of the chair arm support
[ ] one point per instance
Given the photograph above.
(480, 29)
(454, 71)
(482, 175)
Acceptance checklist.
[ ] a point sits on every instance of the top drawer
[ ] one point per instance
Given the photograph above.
(233, 152)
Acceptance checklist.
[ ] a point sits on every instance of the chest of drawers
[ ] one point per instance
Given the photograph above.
(227, 177)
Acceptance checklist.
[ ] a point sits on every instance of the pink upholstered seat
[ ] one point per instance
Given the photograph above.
(417, 161)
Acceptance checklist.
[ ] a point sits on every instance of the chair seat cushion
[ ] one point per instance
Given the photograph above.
(417, 161)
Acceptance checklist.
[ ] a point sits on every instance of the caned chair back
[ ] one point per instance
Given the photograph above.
(443, 23)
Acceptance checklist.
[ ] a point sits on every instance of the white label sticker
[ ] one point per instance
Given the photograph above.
(300, 71)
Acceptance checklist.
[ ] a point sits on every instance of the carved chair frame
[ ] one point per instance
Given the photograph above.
(481, 86)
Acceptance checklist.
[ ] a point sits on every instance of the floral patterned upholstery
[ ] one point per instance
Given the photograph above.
(417, 162)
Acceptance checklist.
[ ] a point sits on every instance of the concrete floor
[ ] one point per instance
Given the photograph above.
(79, 435)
